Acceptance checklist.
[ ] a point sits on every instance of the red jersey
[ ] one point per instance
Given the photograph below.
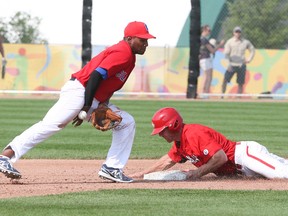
(199, 143)
(118, 60)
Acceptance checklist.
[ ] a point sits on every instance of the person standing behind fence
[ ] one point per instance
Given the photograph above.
(234, 51)
(206, 61)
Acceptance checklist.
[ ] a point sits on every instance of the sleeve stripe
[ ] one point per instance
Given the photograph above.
(103, 72)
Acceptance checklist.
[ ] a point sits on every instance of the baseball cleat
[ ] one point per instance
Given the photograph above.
(113, 174)
(7, 169)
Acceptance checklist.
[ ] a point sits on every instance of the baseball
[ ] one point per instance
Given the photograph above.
(82, 115)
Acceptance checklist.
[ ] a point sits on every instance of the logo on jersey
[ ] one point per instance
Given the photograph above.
(205, 152)
(193, 159)
(122, 75)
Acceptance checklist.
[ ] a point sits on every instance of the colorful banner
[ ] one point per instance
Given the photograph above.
(160, 69)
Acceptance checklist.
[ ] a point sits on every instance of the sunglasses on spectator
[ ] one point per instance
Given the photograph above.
(238, 31)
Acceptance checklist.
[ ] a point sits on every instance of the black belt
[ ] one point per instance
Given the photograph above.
(73, 78)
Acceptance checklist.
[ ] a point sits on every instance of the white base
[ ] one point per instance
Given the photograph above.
(172, 175)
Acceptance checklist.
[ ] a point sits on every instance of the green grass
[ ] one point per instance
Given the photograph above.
(151, 202)
(263, 122)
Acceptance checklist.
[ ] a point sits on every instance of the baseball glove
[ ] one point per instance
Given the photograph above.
(103, 118)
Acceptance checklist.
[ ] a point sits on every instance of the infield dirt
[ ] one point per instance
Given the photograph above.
(43, 177)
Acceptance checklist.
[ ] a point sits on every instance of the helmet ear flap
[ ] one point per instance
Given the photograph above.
(174, 126)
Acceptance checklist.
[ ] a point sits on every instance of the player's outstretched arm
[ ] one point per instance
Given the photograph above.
(216, 161)
(163, 163)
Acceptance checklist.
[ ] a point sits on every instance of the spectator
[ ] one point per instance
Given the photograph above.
(235, 54)
(206, 61)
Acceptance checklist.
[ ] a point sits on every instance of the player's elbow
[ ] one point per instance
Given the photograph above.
(166, 162)
(221, 157)
(224, 159)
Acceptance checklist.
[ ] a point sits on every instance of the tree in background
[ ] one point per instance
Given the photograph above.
(264, 22)
(21, 28)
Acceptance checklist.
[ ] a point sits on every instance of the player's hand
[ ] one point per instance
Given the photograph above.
(192, 174)
(138, 175)
(78, 120)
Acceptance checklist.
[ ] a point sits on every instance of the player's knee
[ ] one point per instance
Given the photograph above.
(282, 172)
(130, 119)
(61, 126)
(127, 120)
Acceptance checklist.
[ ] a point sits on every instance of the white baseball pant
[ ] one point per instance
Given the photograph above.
(255, 160)
(70, 102)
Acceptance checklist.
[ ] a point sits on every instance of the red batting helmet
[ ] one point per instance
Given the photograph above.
(166, 117)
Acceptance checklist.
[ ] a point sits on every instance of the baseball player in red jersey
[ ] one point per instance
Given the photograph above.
(95, 83)
(210, 151)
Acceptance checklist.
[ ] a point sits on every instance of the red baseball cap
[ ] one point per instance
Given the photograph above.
(137, 29)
